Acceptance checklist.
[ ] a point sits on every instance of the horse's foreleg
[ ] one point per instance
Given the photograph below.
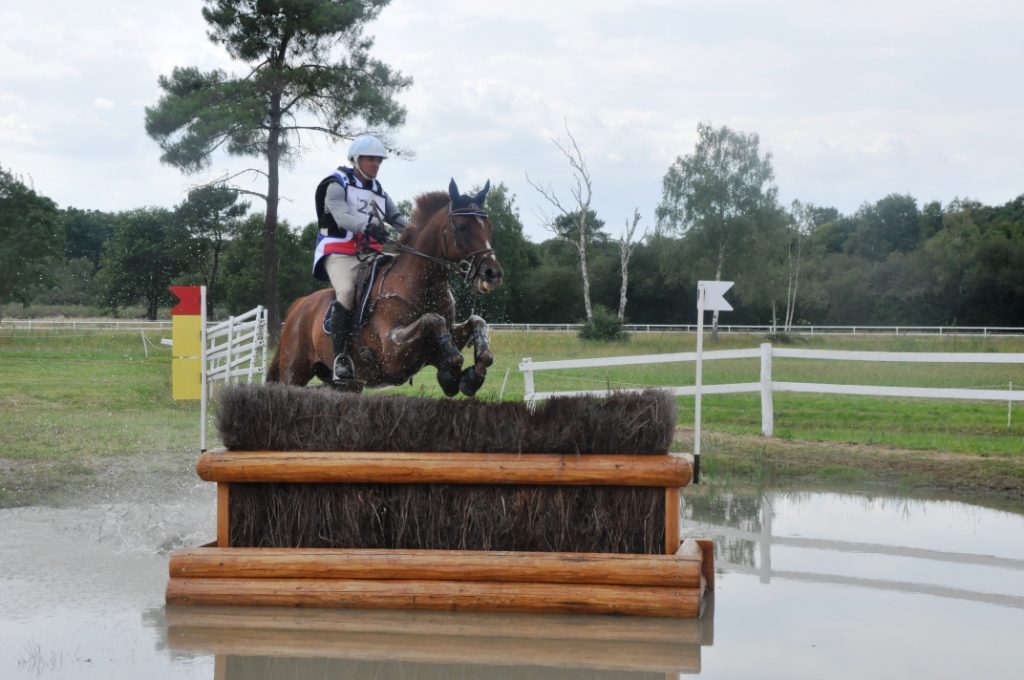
(434, 327)
(474, 329)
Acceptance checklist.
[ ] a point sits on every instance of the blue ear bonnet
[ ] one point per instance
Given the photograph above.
(463, 204)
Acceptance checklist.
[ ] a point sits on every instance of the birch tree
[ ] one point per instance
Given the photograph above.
(577, 214)
(803, 225)
(627, 245)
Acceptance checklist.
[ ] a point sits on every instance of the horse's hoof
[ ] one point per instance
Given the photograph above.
(448, 380)
(470, 382)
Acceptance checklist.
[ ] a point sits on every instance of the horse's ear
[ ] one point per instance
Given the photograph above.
(453, 191)
(479, 199)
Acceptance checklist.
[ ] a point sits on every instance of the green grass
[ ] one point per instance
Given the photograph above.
(978, 427)
(68, 396)
(98, 394)
(70, 402)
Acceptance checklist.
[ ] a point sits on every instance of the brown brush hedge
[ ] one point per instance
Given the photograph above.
(445, 516)
(276, 417)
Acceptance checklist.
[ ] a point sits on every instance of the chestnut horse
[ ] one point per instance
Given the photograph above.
(410, 320)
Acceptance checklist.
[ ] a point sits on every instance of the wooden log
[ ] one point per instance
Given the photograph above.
(447, 595)
(360, 467)
(626, 656)
(445, 565)
(525, 626)
(671, 520)
(707, 547)
(223, 515)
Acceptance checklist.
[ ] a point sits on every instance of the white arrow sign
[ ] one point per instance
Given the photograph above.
(710, 297)
(714, 292)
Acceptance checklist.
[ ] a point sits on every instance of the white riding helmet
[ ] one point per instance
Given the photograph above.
(366, 145)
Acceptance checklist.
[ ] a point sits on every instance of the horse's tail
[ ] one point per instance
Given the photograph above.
(274, 370)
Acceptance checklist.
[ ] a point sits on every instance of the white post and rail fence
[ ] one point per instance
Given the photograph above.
(766, 386)
(49, 325)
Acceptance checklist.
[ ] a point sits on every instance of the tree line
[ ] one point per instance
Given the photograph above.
(890, 262)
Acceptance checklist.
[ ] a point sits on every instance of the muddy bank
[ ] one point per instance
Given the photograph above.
(726, 459)
(778, 462)
(151, 475)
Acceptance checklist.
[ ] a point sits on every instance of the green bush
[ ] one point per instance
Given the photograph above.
(605, 326)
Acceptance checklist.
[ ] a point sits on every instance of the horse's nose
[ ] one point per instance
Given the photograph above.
(492, 274)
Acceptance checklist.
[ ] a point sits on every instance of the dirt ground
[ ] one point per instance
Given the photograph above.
(726, 459)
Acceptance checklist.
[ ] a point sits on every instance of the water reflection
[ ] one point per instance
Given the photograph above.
(941, 548)
(273, 643)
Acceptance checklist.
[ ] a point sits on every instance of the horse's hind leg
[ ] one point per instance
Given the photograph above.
(474, 328)
(290, 366)
(298, 372)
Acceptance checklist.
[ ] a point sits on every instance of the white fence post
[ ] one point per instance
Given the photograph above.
(527, 371)
(204, 370)
(767, 407)
(229, 346)
(263, 344)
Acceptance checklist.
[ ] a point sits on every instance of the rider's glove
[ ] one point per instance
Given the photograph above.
(377, 231)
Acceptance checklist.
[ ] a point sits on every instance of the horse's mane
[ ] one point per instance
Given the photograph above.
(427, 205)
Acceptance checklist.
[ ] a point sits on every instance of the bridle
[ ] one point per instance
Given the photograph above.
(469, 266)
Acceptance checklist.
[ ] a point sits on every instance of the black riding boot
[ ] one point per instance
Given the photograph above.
(341, 329)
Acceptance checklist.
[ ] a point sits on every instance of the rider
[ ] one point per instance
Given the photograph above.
(351, 208)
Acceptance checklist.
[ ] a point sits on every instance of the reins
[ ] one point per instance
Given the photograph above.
(469, 266)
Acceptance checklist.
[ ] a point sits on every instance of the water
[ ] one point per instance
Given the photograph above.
(809, 585)
(844, 585)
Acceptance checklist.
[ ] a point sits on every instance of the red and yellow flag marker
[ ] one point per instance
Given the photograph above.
(187, 337)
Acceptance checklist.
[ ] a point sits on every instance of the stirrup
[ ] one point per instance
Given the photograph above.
(343, 369)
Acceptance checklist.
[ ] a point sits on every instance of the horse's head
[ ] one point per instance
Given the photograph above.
(469, 238)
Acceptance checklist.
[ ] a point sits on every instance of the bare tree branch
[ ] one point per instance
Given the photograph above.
(226, 179)
(582, 193)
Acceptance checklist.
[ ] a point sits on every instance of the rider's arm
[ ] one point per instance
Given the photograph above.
(336, 203)
(392, 215)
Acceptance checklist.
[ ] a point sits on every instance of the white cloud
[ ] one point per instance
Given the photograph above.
(854, 99)
(15, 131)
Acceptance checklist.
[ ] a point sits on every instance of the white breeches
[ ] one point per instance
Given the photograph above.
(343, 271)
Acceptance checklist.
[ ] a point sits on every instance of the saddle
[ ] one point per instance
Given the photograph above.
(376, 269)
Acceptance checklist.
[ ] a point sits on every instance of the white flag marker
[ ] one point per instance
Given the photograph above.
(714, 292)
(710, 297)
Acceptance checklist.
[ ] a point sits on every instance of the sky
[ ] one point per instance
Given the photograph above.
(853, 99)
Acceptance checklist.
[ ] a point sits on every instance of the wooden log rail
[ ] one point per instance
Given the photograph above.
(364, 467)
(525, 582)
(669, 585)
(681, 570)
